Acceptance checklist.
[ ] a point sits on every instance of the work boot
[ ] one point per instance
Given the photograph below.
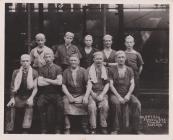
(67, 131)
(137, 132)
(85, 130)
(57, 131)
(43, 131)
(93, 131)
(104, 130)
(114, 132)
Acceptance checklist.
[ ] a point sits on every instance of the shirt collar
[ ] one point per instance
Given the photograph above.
(75, 69)
(49, 65)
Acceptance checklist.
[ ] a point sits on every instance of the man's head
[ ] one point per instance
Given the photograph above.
(74, 61)
(25, 60)
(107, 41)
(98, 58)
(49, 57)
(120, 57)
(88, 40)
(68, 37)
(40, 39)
(129, 42)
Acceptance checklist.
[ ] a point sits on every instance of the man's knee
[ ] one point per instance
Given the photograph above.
(114, 101)
(40, 102)
(136, 103)
(92, 107)
(115, 104)
(104, 108)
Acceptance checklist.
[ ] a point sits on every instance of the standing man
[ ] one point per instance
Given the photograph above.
(64, 51)
(87, 52)
(98, 99)
(121, 98)
(109, 54)
(49, 82)
(23, 91)
(134, 60)
(37, 54)
(74, 88)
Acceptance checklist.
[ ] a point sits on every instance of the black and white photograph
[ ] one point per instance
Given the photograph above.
(86, 68)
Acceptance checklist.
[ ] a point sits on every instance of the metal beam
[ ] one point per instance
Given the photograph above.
(84, 20)
(120, 26)
(28, 27)
(145, 29)
(103, 7)
(41, 17)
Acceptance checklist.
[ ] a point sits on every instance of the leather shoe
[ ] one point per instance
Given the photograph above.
(104, 130)
(67, 131)
(93, 131)
(114, 132)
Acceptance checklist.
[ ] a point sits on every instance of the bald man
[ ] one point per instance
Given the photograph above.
(49, 82)
(109, 54)
(37, 53)
(23, 91)
(64, 51)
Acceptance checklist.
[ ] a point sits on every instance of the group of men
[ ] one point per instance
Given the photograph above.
(95, 85)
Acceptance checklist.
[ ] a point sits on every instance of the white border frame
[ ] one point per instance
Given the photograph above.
(3, 136)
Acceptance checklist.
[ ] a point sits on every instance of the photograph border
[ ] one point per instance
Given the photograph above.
(3, 136)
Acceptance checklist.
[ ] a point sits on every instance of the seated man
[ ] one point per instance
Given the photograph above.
(98, 99)
(49, 82)
(121, 98)
(23, 91)
(74, 88)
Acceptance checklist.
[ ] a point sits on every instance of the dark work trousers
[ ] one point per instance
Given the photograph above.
(44, 101)
(136, 80)
(120, 114)
(20, 115)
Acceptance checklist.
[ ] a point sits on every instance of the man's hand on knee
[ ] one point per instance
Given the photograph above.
(30, 101)
(11, 103)
(127, 98)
